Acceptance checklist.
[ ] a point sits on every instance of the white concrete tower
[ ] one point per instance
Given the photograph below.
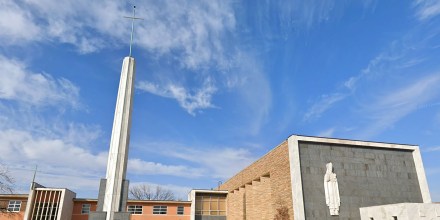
(118, 154)
(113, 190)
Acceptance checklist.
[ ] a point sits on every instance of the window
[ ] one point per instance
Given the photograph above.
(180, 210)
(371, 218)
(134, 209)
(211, 204)
(45, 210)
(394, 217)
(85, 209)
(160, 210)
(14, 206)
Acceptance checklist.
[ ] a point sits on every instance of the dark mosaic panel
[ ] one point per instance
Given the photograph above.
(366, 177)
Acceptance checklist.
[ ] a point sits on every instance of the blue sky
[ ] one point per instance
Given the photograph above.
(218, 84)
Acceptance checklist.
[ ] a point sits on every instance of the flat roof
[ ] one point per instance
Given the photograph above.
(345, 139)
(137, 201)
(14, 195)
(210, 191)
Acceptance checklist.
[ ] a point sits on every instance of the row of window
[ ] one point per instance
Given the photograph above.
(157, 209)
(137, 209)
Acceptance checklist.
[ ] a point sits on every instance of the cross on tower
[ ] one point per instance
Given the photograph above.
(132, 26)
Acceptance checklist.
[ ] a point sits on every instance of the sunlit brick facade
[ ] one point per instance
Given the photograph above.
(79, 209)
(260, 189)
(12, 207)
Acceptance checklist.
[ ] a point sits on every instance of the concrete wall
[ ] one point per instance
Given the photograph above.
(66, 206)
(366, 176)
(402, 211)
(261, 188)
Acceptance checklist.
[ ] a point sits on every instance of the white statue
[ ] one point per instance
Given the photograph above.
(331, 190)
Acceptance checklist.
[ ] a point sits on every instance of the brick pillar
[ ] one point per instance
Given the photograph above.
(232, 205)
(248, 203)
(241, 209)
(255, 208)
(267, 212)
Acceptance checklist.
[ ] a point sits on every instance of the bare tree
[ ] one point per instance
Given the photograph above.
(6, 181)
(6, 186)
(147, 192)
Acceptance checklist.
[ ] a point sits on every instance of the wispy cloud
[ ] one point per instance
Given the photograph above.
(192, 31)
(190, 101)
(198, 39)
(196, 33)
(401, 91)
(431, 149)
(19, 84)
(215, 162)
(432, 171)
(139, 166)
(327, 133)
(395, 57)
(221, 163)
(390, 108)
(17, 25)
(64, 151)
(322, 105)
(19, 146)
(427, 9)
(64, 164)
(307, 14)
(253, 90)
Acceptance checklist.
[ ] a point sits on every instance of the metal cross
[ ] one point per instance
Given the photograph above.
(132, 25)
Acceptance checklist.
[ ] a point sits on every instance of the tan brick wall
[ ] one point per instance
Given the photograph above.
(265, 195)
(251, 200)
(274, 188)
(232, 205)
(239, 205)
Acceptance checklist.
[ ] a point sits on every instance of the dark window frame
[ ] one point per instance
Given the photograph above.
(160, 210)
(180, 210)
(135, 209)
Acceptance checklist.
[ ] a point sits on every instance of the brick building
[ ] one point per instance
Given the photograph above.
(58, 204)
(12, 207)
(286, 183)
(261, 188)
